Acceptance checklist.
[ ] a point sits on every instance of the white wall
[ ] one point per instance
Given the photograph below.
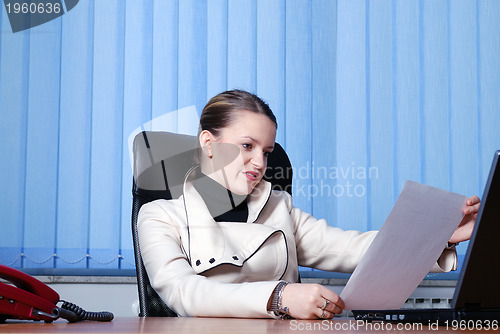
(121, 298)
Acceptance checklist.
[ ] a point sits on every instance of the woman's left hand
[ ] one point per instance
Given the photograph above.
(464, 229)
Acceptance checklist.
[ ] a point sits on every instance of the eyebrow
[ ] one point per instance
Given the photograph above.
(254, 140)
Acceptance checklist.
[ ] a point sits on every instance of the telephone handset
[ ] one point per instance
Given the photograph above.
(30, 299)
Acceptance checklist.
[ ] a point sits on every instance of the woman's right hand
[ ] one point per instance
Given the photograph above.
(306, 301)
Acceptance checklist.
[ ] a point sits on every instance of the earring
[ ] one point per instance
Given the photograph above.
(210, 155)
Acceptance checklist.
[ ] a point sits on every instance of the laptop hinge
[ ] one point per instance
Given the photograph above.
(472, 307)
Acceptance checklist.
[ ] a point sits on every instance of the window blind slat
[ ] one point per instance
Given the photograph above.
(107, 133)
(13, 121)
(270, 66)
(74, 140)
(324, 109)
(351, 114)
(42, 135)
(217, 44)
(407, 76)
(192, 53)
(165, 57)
(241, 45)
(298, 135)
(464, 99)
(381, 133)
(137, 103)
(487, 111)
(434, 106)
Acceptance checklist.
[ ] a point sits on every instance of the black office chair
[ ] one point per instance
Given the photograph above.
(155, 153)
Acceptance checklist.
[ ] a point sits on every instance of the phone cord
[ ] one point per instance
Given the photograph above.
(84, 315)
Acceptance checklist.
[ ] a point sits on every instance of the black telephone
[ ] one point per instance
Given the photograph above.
(30, 299)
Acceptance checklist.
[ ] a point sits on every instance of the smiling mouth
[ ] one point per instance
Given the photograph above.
(252, 175)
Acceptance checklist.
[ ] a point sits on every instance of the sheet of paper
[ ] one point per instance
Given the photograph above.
(405, 249)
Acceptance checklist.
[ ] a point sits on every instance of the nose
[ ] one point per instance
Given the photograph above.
(259, 160)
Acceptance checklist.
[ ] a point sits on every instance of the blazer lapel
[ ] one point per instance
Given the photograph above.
(211, 243)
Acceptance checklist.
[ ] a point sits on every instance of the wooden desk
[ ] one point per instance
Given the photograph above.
(218, 326)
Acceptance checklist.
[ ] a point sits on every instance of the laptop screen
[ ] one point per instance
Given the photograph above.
(478, 283)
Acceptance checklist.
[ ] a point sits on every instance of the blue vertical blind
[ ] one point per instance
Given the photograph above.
(367, 94)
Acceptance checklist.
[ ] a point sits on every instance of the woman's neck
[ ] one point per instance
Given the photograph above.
(222, 204)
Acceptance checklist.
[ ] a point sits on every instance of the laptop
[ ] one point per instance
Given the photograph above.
(477, 293)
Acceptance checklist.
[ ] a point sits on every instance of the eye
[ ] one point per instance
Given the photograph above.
(247, 146)
(267, 153)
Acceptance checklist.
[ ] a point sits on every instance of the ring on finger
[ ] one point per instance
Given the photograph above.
(325, 304)
(323, 313)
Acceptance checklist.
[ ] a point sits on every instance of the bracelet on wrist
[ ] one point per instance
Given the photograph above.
(276, 302)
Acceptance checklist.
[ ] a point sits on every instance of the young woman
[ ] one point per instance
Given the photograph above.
(230, 246)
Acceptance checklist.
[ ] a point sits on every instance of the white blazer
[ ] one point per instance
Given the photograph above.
(201, 267)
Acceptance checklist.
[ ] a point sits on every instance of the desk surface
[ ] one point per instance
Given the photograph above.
(220, 326)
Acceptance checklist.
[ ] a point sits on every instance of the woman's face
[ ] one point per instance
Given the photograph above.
(254, 134)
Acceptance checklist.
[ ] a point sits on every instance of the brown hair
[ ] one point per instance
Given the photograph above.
(219, 111)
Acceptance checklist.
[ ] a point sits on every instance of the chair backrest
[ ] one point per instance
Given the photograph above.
(155, 153)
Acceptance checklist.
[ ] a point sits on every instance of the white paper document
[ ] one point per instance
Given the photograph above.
(405, 249)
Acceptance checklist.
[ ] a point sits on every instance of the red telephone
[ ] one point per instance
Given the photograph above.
(30, 299)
